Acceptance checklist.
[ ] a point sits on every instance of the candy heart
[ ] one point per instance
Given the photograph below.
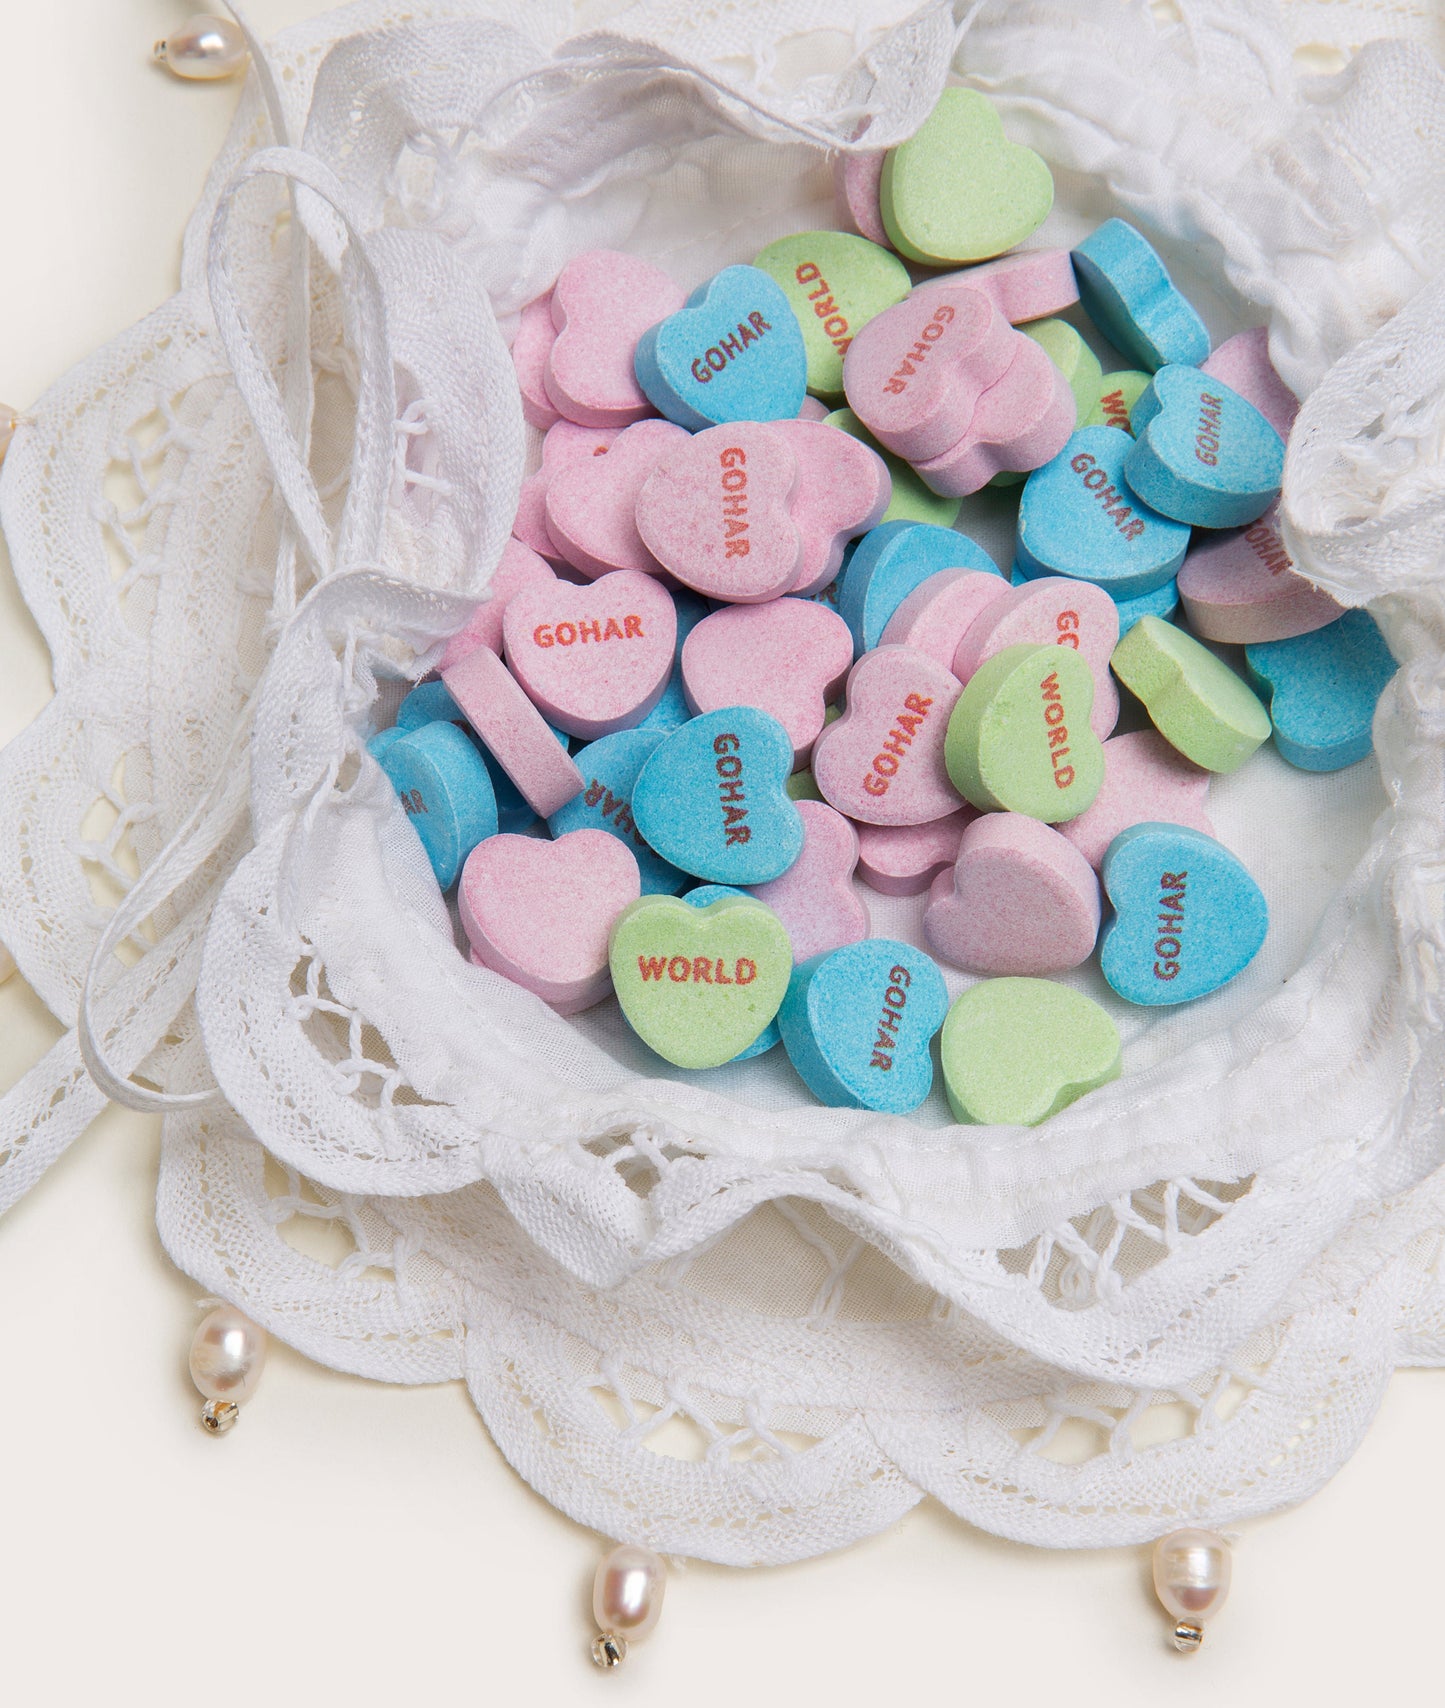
(904, 859)
(1015, 1051)
(594, 659)
(1195, 700)
(1187, 916)
(704, 896)
(382, 742)
(914, 375)
(734, 353)
(1243, 588)
(1161, 601)
(1074, 360)
(958, 190)
(1052, 611)
(602, 303)
(835, 284)
(857, 1025)
(442, 782)
(815, 898)
(535, 336)
(565, 444)
(842, 490)
(672, 710)
(789, 658)
(803, 786)
(1144, 780)
(1202, 454)
(1019, 901)
(540, 913)
(428, 703)
(1080, 517)
(1243, 364)
(699, 985)
(1324, 688)
(715, 512)
(611, 766)
(911, 500)
(518, 567)
(889, 562)
(857, 177)
(1117, 395)
(814, 409)
(882, 761)
(592, 501)
(711, 799)
(514, 732)
(1129, 296)
(1019, 739)
(1024, 286)
(940, 611)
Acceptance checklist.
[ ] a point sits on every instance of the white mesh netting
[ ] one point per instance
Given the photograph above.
(699, 1311)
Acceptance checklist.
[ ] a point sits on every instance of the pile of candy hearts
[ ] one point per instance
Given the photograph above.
(738, 651)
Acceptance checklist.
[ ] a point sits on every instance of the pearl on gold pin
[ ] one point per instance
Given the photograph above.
(626, 1601)
(228, 1354)
(203, 49)
(1191, 1578)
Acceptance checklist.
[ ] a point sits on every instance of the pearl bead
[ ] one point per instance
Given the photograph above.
(203, 48)
(627, 1592)
(1191, 1574)
(227, 1356)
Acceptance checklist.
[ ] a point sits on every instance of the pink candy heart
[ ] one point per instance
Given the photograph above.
(788, 657)
(882, 761)
(843, 488)
(1028, 285)
(856, 181)
(515, 732)
(592, 501)
(1020, 424)
(540, 913)
(904, 859)
(565, 445)
(1243, 588)
(518, 567)
(602, 303)
(1243, 364)
(815, 898)
(1145, 781)
(939, 612)
(535, 337)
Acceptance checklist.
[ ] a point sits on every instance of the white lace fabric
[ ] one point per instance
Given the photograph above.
(700, 1311)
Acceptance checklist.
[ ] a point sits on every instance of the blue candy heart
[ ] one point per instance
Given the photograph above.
(858, 1024)
(1079, 516)
(734, 353)
(1323, 689)
(440, 779)
(1162, 601)
(1201, 453)
(704, 896)
(712, 798)
(610, 767)
(888, 563)
(1188, 916)
(1130, 297)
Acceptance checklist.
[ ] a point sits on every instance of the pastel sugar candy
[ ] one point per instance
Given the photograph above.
(716, 512)
(858, 1025)
(1052, 611)
(602, 303)
(882, 761)
(611, 766)
(535, 333)
(789, 658)
(939, 612)
(382, 741)
(1019, 739)
(1196, 702)
(712, 798)
(1144, 780)
(904, 859)
(428, 702)
(592, 501)
(442, 782)
(1079, 516)
(518, 567)
(958, 189)
(1118, 393)
(1015, 1051)
(803, 786)
(565, 444)
(593, 659)
(515, 733)
(1162, 601)
(734, 352)
(910, 500)
(1243, 588)
(842, 490)
(1201, 453)
(1188, 917)
(1323, 690)
(1128, 294)
(836, 283)
(914, 375)
(541, 913)
(857, 176)
(672, 710)
(1030, 284)
(704, 896)
(889, 562)
(1074, 360)
(815, 898)
(813, 409)
(1019, 901)
(1243, 364)
(699, 984)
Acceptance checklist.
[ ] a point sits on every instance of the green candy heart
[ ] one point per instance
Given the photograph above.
(1015, 1051)
(912, 501)
(1117, 395)
(959, 190)
(835, 283)
(1075, 361)
(1200, 707)
(1019, 737)
(698, 985)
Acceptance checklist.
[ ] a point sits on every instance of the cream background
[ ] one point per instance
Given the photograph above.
(353, 1542)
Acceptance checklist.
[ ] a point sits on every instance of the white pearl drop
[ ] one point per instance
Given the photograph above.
(227, 1356)
(1191, 1574)
(627, 1592)
(203, 48)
